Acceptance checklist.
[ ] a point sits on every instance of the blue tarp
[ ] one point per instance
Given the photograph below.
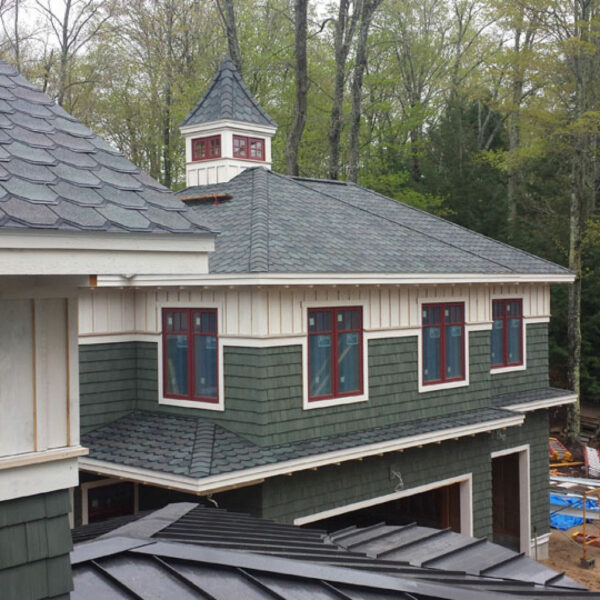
(564, 522)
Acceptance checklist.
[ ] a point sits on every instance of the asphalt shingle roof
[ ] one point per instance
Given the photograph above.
(56, 174)
(278, 224)
(228, 98)
(530, 396)
(195, 447)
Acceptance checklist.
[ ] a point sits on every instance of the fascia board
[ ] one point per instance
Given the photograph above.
(257, 474)
(203, 128)
(539, 404)
(278, 279)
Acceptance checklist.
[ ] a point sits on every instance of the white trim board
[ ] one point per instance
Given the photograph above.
(243, 279)
(466, 502)
(258, 474)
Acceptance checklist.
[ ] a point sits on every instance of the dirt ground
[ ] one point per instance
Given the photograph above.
(565, 555)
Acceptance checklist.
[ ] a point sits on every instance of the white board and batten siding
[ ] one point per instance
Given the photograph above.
(38, 362)
(119, 314)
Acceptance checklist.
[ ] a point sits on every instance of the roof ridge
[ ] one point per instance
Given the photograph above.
(487, 237)
(419, 231)
(258, 260)
(199, 423)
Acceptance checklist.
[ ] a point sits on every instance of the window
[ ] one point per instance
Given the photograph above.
(247, 147)
(507, 333)
(190, 358)
(206, 148)
(443, 343)
(334, 353)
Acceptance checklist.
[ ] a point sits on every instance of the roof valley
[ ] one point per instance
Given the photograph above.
(258, 260)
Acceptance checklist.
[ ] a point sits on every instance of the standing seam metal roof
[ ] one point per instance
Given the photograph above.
(57, 174)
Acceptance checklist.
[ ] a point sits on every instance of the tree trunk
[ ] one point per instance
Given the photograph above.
(295, 134)
(368, 9)
(344, 32)
(233, 43)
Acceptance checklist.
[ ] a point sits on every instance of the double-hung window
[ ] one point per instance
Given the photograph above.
(443, 342)
(335, 350)
(206, 148)
(507, 333)
(190, 356)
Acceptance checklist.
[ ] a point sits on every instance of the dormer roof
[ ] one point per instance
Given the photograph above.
(228, 98)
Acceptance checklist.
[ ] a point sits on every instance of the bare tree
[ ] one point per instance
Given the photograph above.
(78, 24)
(226, 10)
(345, 27)
(368, 9)
(301, 75)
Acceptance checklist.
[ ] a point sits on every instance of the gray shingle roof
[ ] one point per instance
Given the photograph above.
(56, 174)
(530, 396)
(279, 224)
(195, 447)
(228, 98)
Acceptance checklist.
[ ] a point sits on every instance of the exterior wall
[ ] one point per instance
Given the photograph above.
(35, 541)
(247, 312)
(308, 492)
(536, 374)
(263, 387)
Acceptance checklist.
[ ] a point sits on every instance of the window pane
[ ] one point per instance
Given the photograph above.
(320, 365)
(454, 314)
(431, 315)
(497, 308)
(319, 321)
(256, 148)
(215, 146)
(205, 366)
(348, 362)
(176, 365)
(239, 146)
(347, 319)
(431, 353)
(454, 349)
(514, 340)
(513, 309)
(497, 355)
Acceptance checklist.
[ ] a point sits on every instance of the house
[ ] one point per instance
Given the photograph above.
(347, 358)
(71, 209)
(220, 554)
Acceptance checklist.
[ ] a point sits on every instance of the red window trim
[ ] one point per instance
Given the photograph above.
(442, 325)
(504, 302)
(246, 155)
(334, 363)
(190, 358)
(206, 141)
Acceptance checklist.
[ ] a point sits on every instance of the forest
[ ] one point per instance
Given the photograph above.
(486, 112)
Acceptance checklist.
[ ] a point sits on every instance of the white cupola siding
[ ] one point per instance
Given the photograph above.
(226, 132)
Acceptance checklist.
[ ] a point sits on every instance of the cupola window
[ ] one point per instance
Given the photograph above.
(248, 147)
(206, 148)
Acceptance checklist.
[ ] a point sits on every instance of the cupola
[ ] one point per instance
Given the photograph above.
(226, 132)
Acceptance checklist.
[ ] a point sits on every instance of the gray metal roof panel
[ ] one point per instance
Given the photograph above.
(227, 98)
(49, 157)
(279, 224)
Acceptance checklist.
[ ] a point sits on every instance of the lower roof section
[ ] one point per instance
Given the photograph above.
(196, 455)
(534, 399)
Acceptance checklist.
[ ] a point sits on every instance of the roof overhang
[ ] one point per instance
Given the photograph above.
(221, 124)
(542, 403)
(49, 252)
(255, 475)
(283, 279)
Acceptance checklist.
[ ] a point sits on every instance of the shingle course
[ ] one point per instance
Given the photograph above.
(228, 98)
(50, 158)
(279, 224)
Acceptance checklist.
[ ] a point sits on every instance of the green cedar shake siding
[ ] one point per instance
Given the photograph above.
(309, 492)
(35, 541)
(108, 380)
(536, 374)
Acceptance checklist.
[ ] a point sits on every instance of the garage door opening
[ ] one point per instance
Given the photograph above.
(440, 505)
(510, 499)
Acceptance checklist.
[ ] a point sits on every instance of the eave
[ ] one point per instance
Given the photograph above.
(289, 279)
(252, 476)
